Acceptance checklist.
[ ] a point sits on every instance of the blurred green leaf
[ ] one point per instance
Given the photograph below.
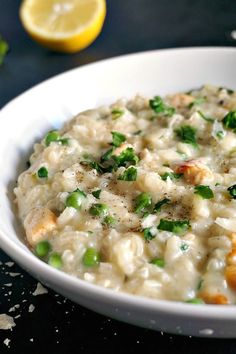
(4, 47)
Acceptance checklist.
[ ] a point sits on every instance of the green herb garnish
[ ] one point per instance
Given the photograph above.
(97, 193)
(197, 102)
(187, 134)
(149, 233)
(54, 136)
(229, 91)
(107, 155)
(142, 202)
(196, 301)
(42, 172)
(232, 191)
(159, 204)
(158, 106)
(117, 113)
(229, 121)
(159, 262)
(4, 47)
(171, 175)
(117, 139)
(175, 226)
(138, 132)
(126, 156)
(204, 191)
(184, 247)
(109, 220)
(129, 175)
(91, 257)
(208, 119)
(75, 199)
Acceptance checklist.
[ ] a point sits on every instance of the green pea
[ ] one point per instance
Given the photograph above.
(75, 199)
(42, 172)
(99, 210)
(91, 257)
(42, 249)
(51, 136)
(55, 260)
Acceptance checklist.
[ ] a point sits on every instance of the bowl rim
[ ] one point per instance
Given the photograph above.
(50, 274)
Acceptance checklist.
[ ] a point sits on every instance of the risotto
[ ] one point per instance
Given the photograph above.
(140, 196)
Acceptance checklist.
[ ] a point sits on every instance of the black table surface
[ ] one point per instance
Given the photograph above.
(57, 325)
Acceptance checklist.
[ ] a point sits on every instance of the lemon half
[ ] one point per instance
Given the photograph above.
(63, 25)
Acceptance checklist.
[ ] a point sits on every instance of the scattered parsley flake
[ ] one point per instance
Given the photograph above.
(117, 139)
(175, 226)
(171, 175)
(197, 102)
(159, 204)
(4, 47)
(187, 134)
(158, 106)
(208, 119)
(204, 191)
(129, 175)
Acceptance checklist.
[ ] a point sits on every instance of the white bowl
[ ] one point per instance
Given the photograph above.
(26, 119)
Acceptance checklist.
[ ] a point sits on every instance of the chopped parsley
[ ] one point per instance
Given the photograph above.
(187, 134)
(117, 113)
(159, 262)
(142, 202)
(195, 301)
(229, 121)
(117, 139)
(127, 156)
(229, 91)
(107, 155)
(208, 119)
(149, 233)
(232, 191)
(54, 136)
(184, 247)
(204, 191)
(197, 102)
(138, 132)
(158, 106)
(109, 220)
(175, 226)
(171, 175)
(4, 47)
(159, 204)
(129, 175)
(97, 193)
(220, 134)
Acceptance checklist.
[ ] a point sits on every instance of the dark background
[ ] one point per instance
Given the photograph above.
(57, 325)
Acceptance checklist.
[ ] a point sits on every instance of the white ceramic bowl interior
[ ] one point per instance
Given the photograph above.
(26, 119)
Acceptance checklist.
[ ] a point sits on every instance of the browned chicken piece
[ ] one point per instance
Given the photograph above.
(195, 172)
(217, 299)
(230, 276)
(38, 223)
(230, 270)
(181, 100)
